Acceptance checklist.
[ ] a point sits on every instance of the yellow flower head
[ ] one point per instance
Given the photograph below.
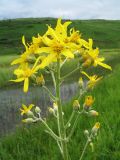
(24, 72)
(92, 80)
(97, 125)
(24, 109)
(94, 54)
(88, 101)
(57, 43)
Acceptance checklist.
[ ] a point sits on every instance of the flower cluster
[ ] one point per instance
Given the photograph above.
(56, 43)
(32, 116)
(49, 52)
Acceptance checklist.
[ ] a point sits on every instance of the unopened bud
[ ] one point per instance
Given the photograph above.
(92, 146)
(87, 63)
(76, 105)
(55, 106)
(30, 114)
(40, 80)
(69, 124)
(37, 109)
(51, 110)
(80, 82)
(28, 120)
(86, 132)
(96, 127)
(93, 113)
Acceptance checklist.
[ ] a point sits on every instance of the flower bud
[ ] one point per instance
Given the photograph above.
(51, 110)
(37, 109)
(87, 63)
(40, 80)
(30, 114)
(80, 82)
(93, 113)
(76, 105)
(31, 59)
(28, 120)
(55, 107)
(86, 132)
(92, 146)
(96, 127)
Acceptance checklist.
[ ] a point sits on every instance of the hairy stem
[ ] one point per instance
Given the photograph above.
(85, 147)
(61, 128)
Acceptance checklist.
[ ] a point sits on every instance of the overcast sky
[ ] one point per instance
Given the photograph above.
(72, 9)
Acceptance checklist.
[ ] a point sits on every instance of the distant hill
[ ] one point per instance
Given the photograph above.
(106, 33)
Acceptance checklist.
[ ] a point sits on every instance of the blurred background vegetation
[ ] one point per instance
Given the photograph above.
(31, 142)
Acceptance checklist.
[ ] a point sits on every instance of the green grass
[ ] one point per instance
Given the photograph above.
(32, 142)
(6, 70)
(105, 33)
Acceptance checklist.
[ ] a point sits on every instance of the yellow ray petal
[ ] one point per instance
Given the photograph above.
(26, 84)
(16, 61)
(23, 41)
(50, 58)
(18, 80)
(85, 74)
(105, 65)
(68, 53)
(43, 50)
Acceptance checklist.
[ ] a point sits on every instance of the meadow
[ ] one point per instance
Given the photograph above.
(31, 142)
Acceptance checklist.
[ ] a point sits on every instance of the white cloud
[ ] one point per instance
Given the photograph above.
(72, 9)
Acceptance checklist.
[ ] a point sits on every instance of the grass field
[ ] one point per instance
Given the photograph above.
(105, 33)
(31, 142)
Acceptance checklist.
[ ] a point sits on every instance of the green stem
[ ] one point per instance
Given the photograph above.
(85, 147)
(53, 78)
(61, 128)
(74, 125)
(67, 75)
(50, 131)
(50, 94)
(70, 119)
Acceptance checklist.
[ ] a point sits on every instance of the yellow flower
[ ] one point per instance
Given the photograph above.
(57, 44)
(97, 125)
(88, 102)
(94, 54)
(25, 109)
(92, 79)
(30, 50)
(23, 74)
